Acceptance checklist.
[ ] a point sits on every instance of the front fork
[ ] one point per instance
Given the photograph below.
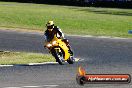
(58, 51)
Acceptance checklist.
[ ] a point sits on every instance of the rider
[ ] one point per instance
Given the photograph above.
(55, 30)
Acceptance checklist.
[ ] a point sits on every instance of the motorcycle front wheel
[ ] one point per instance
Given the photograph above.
(58, 56)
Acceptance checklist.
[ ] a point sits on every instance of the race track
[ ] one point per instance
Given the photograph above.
(99, 55)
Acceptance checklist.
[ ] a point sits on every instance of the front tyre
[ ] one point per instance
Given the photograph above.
(58, 56)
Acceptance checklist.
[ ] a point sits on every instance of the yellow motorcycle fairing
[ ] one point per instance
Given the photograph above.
(58, 42)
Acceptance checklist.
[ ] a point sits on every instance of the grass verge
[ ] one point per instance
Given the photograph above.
(23, 58)
(72, 20)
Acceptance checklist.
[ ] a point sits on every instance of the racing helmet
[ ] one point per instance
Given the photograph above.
(50, 25)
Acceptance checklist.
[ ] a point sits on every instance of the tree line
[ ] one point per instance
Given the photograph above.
(60, 2)
(96, 3)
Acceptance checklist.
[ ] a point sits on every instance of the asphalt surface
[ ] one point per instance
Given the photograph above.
(101, 55)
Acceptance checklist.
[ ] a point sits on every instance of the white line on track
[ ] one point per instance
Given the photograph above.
(31, 86)
(12, 87)
(44, 63)
(41, 33)
(91, 36)
(78, 59)
(50, 86)
(6, 65)
(40, 86)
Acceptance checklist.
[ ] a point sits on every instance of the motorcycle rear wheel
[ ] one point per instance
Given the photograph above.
(71, 60)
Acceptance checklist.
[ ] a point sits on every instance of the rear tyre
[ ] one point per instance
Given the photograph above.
(71, 60)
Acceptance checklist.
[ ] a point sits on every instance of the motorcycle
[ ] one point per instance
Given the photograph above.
(60, 51)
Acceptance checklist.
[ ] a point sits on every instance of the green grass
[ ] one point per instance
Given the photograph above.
(72, 20)
(24, 58)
